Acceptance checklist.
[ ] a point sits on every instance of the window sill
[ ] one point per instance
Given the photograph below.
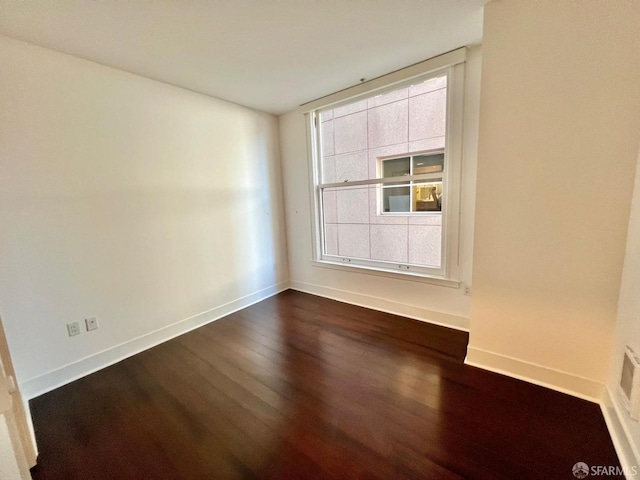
(398, 275)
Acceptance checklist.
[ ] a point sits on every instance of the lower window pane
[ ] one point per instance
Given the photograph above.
(346, 221)
(355, 229)
(427, 197)
(396, 199)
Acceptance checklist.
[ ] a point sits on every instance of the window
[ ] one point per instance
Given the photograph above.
(416, 196)
(387, 177)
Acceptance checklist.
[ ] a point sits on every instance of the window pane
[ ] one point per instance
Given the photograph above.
(327, 148)
(427, 197)
(396, 167)
(351, 167)
(428, 163)
(329, 205)
(346, 212)
(354, 228)
(396, 199)
(425, 245)
(326, 115)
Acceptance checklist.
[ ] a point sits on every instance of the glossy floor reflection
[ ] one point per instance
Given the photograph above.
(301, 387)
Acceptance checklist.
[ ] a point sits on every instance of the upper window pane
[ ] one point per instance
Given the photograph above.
(396, 167)
(355, 135)
(431, 85)
(428, 163)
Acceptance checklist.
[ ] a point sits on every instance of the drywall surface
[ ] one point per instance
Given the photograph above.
(559, 117)
(416, 299)
(126, 199)
(627, 330)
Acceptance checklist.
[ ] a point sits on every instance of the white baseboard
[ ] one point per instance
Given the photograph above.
(384, 305)
(61, 376)
(537, 374)
(622, 440)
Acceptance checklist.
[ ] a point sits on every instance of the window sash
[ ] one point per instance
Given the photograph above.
(383, 265)
(433, 177)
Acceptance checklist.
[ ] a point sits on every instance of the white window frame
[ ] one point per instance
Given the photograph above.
(452, 65)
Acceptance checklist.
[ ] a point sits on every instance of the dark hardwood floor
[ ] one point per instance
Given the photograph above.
(301, 387)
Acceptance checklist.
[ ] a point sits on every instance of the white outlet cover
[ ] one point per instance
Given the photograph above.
(629, 386)
(73, 329)
(91, 323)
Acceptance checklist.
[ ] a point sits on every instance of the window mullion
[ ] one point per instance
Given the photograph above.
(411, 199)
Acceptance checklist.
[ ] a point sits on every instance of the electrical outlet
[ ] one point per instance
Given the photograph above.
(467, 290)
(92, 323)
(73, 329)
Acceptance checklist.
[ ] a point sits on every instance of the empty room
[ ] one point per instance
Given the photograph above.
(319, 239)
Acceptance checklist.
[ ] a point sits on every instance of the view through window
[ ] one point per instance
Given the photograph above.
(384, 183)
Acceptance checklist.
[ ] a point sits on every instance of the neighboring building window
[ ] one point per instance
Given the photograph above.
(388, 178)
(416, 196)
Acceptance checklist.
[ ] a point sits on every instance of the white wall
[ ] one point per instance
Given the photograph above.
(126, 199)
(627, 330)
(421, 300)
(559, 132)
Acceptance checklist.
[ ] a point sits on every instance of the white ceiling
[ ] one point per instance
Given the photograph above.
(271, 55)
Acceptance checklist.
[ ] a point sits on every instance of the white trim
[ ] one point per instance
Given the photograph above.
(314, 177)
(68, 373)
(620, 436)
(384, 305)
(452, 204)
(558, 380)
(436, 63)
(389, 273)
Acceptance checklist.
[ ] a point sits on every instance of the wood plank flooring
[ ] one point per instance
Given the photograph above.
(302, 387)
